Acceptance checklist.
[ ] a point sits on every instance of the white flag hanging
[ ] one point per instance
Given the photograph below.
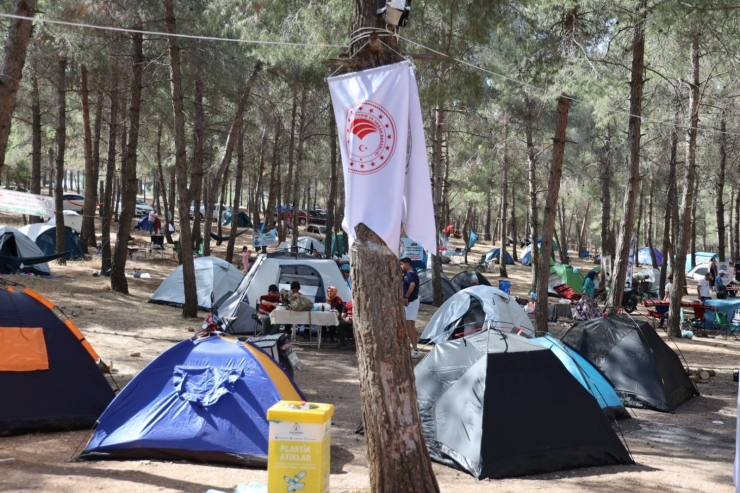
(373, 109)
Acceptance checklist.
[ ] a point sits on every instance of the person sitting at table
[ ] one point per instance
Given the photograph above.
(267, 304)
(668, 289)
(345, 325)
(702, 288)
(336, 304)
(719, 286)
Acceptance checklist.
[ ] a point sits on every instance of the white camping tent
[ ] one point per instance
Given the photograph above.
(13, 243)
(212, 275)
(281, 268)
(472, 309)
(306, 244)
(71, 220)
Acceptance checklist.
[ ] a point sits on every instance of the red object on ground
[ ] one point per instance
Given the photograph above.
(567, 292)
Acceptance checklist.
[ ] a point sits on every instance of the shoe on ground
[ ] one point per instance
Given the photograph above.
(415, 353)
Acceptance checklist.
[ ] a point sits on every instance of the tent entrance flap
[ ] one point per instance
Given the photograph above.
(23, 349)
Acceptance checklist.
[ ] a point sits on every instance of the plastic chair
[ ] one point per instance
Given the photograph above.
(724, 327)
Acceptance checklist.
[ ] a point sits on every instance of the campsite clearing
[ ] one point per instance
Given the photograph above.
(686, 451)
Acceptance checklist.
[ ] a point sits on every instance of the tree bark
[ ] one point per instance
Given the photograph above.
(88, 211)
(532, 181)
(289, 192)
(35, 142)
(332, 199)
(653, 259)
(687, 202)
(16, 46)
(298, 165)
(548, 224)
(163, 190)
(190, 307)
(271, 215)
(736, 227)
(228, 151)
(562, 239)
(437, 295)
(196, 182)
(671, 208)
(619, 274)
(512, 227)
(61, 146)
(719, 202)
(110, 171)
(237, 196)
(504, 205)
(398, 459)
(129, 183)
(582, 236)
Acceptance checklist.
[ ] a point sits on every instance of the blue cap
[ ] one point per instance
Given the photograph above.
(345, 267)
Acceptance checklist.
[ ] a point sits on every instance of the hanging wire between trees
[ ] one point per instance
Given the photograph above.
(166, 35)
(357, 35)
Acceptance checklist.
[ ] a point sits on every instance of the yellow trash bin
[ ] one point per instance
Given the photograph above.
(298, 457)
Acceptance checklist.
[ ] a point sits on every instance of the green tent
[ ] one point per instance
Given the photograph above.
(244, 220)
(337, 244)
(569, 277)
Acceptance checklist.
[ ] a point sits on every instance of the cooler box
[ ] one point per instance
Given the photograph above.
(298, 456)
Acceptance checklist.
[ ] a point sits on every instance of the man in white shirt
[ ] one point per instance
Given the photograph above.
(702, 289)
(668, 289)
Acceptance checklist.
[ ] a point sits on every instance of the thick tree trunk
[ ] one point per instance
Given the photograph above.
(650, 243)
(687, 202)
(237, 196)
(271, 215)
(88, 211)
(398, 459)
(16, 45)
(110, 171)
(437, 296)
(719, 202)
(190, 307)
(504, 205)
(551, 203)
(693, 226)
(562, 240)
(196, 181)
(129, 183)
(61, 147)
(288, 191)
(619, 274)
(228, 151)
(583, 235)
(736, 226)
(35, 142)
(258, 200)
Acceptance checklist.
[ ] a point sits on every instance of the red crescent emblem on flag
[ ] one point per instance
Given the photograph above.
(370, 135)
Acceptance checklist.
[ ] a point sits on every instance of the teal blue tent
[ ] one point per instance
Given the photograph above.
(588, 376)
(244, 220)
(492, 254)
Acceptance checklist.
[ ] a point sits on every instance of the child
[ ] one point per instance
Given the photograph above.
(245, 260)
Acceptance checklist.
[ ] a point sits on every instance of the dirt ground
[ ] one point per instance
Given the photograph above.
(691, 450)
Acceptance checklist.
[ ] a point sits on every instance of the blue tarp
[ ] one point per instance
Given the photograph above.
(701, 258)
(203, 400)
(643, 256)
(728, 306)
(473, 239)
(588, 376)
(492, 254)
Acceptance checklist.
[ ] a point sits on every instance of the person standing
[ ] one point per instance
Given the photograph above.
(411, 302)
(713, 271)
(152, 220)
(245, 260)
(702, 288)
(668, 289)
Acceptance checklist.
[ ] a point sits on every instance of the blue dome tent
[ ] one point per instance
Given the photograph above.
(643, 256)
(202, 400)
(45, 237)
(492, 254)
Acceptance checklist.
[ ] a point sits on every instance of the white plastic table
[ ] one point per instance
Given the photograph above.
(282, 316)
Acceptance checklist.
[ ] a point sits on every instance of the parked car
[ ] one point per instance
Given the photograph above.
(304, 217)
(203, 210)
(316, 231)
(698, 272)
(73, 202)
(142, 208)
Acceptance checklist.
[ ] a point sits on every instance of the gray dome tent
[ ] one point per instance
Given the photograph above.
(45, 236)
(426, 295)
(471, 309)
(645, 372)
(18, 251)
(212, 275)
(481, 402)
(468, 278)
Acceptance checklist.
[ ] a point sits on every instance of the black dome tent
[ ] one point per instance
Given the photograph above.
(481, 401)
(645, 372)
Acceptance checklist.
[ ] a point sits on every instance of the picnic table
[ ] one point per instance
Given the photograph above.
(283, 315)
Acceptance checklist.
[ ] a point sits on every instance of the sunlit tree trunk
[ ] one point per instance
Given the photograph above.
(61, 147)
